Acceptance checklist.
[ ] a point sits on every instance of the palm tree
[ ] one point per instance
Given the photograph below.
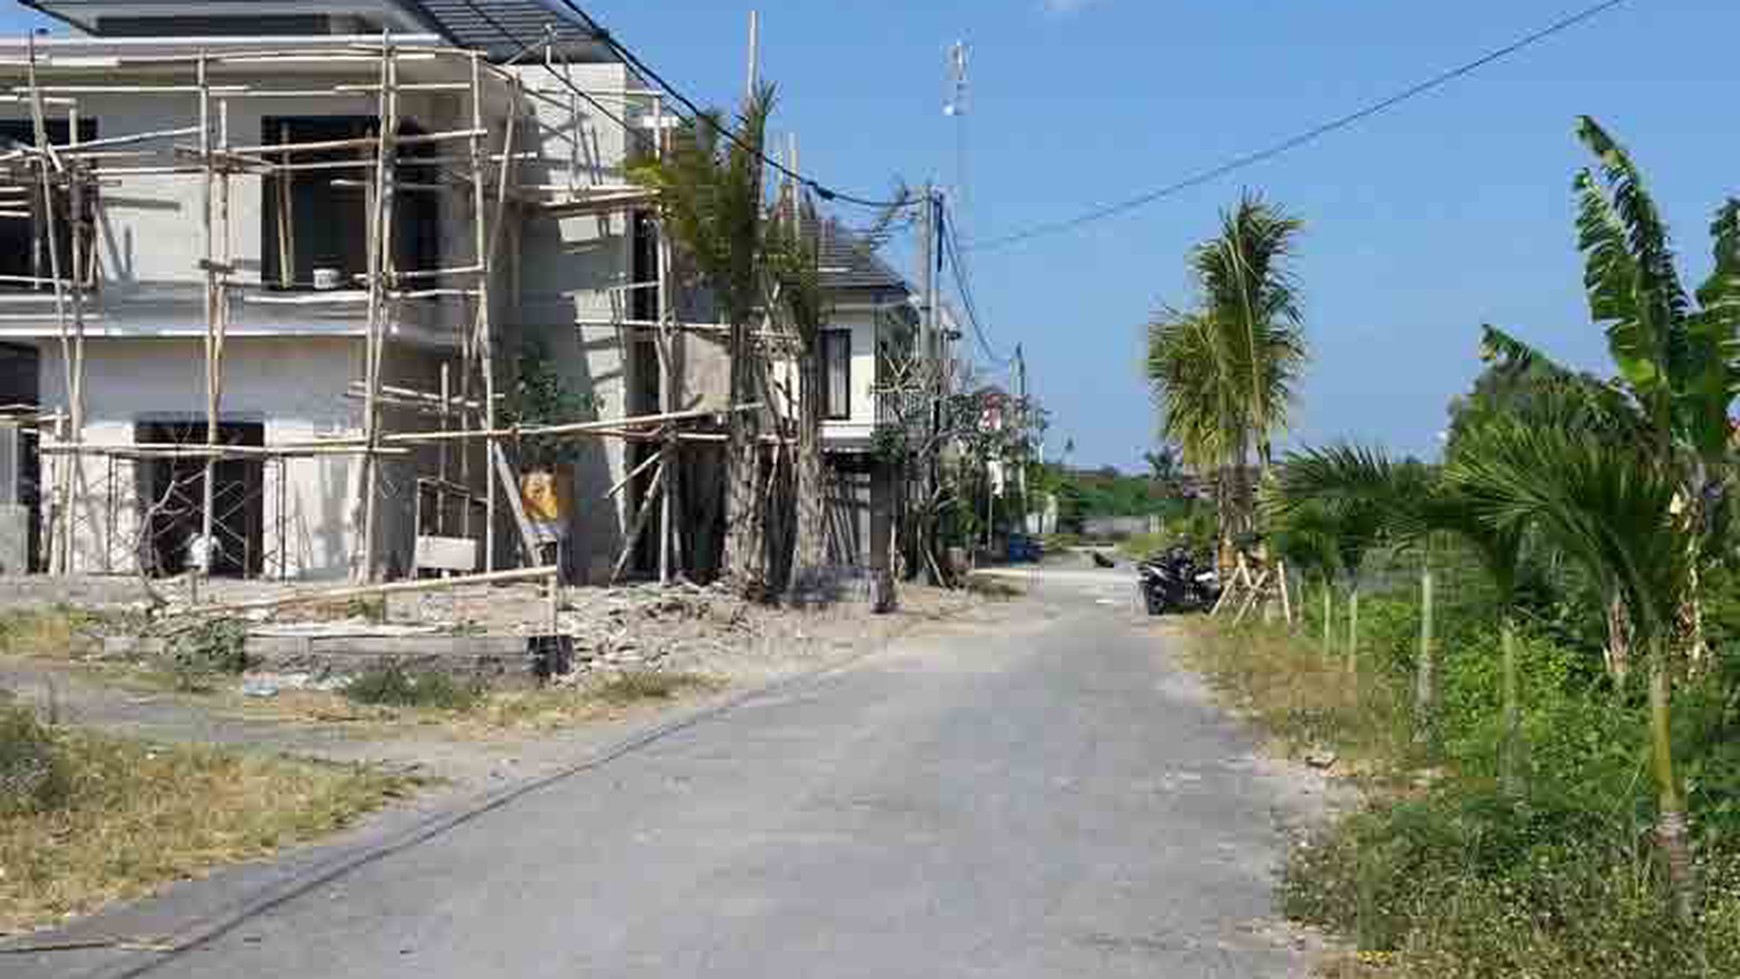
(796, 272)
(1410, 505)
(1225, 375)
(1611, 507)
(711, 201)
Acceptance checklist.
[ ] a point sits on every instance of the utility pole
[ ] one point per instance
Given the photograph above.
(754, 51)
(932, 351)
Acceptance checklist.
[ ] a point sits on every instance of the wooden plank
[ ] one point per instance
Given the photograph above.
(511, 485)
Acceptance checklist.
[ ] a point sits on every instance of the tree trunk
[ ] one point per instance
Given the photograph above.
(1426, 669)
(1510, 762)
(1328, 617)
(1353, 629)
(745, 560)
(1670, 826)
(1692, 618)
(811, 549)
(1618, 652)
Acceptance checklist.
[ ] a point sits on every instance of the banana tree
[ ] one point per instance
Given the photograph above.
(1609, 507)
(1673, 352)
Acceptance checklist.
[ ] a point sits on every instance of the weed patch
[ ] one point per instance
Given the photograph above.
(130, 817)
(394, 686)
(202, 656)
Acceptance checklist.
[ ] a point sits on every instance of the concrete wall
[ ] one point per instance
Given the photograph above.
(576, 268)
(296, 387)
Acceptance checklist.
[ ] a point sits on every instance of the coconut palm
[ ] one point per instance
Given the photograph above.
(1225, 374)
(796, 274)
(710, 196)
(1611, 508)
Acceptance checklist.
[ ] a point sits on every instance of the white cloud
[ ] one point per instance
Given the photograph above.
(1065, 8)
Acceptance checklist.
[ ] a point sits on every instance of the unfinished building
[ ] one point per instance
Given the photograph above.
(268, 270)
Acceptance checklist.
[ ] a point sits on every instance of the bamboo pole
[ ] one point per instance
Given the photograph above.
(380, 272)
(640, 518)
(63, 484)
(485, 327)
(390, 588)
(646, 464)
(208, 496)
(573, 428)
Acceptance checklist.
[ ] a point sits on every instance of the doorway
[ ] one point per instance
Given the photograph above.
(172, 500)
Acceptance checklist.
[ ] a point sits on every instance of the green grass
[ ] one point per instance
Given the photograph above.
(1442, 876)
(128, 817)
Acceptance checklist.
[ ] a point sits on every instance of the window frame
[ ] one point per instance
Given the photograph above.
(412, 210)
(36, 252)
(828, 338)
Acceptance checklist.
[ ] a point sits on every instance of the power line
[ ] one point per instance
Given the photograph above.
(1308, 136)
(697, 113)
(951, 247)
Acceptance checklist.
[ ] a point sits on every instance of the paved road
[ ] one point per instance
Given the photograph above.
(1051, 799)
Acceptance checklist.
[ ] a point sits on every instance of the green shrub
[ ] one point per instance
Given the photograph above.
(394, 686)
(34, 775)
(201, 656)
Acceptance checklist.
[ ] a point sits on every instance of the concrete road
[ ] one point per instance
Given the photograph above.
(1050, 798)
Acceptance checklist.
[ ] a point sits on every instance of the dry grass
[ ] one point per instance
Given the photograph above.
(993, 588)
(601, 699)
(139, 816)
(500, 713)
(60, 632)
(1305, 702)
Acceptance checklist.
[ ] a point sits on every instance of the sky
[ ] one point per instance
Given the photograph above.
(1452, 210)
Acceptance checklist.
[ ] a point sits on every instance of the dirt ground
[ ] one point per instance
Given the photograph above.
(721, 642)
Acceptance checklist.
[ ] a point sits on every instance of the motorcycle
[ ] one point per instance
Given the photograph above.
(1176, 582)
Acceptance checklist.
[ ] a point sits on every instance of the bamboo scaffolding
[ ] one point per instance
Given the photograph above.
(56, 172)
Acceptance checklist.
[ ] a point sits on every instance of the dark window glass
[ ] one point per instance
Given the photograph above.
(836, 374)
(318, 214)
(24, 221)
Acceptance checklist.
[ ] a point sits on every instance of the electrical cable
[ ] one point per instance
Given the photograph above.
(696, 112)
(963, 282)
(1293, 142)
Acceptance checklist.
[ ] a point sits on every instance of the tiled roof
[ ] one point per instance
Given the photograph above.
(499, 28)
(848, 262)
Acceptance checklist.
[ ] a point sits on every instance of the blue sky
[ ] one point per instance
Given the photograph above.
(1452, 211)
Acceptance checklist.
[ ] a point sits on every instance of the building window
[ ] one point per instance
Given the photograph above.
(24, 224)
(316, 217)
(836, 374)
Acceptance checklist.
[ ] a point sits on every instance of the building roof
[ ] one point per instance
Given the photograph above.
(502, 29)
(849, 261)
